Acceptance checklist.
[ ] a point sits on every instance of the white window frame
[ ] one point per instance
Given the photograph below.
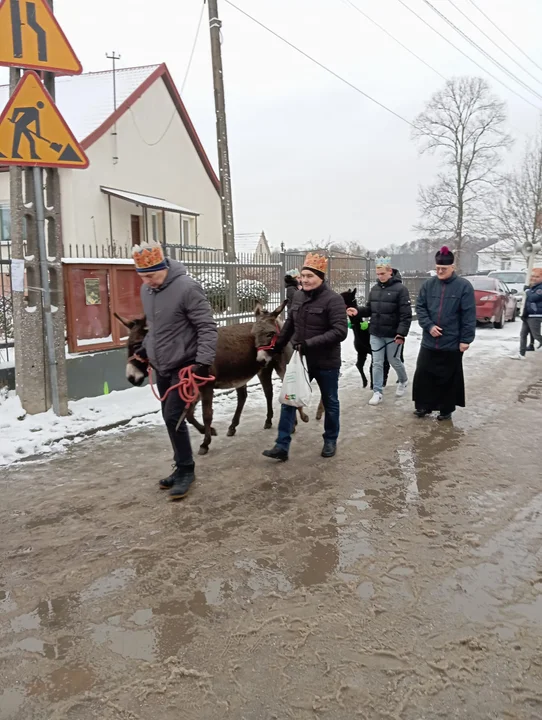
(187, 221)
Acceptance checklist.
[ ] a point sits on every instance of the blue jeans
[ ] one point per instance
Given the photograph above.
(328, 382)
(381, 348)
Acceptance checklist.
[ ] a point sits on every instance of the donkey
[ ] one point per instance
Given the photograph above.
(362, 345)
(243, 351)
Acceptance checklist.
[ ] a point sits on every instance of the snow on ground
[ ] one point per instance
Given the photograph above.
(23, 436)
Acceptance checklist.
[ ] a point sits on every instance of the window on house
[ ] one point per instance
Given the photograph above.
(186, 231)
(154, 227)
(5, 223)
(506, 264)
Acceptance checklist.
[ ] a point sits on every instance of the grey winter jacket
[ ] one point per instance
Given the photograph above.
(451, 305)
(182, 330)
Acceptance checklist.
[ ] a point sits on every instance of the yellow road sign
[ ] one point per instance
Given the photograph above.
(33, 132)
(30, 37)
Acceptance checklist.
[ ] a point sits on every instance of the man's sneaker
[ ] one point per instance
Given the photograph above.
(183, 482)
(401, 389)
(276, 453)
(329, 449)
(376, 399)
(519, 356)
(167, 483)
(530, 348)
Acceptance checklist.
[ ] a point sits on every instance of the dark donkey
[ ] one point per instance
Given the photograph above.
(242, 353)
(362, 345)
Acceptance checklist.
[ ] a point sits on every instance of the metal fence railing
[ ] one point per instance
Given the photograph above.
(6, 305)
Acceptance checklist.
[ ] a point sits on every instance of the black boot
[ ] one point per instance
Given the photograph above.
(444, 416)
(276, 453)
(329, 449)
(167, 483)
(183, 482)
(421, 413)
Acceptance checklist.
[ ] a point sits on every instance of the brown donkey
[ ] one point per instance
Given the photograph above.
(243, 351)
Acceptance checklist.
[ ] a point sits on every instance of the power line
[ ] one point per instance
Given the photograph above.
(174, 113)
(193, 48)
(505, 35)
(511, 57)
(380, 27)
(481, 49)
(321, 65)
(491, 75)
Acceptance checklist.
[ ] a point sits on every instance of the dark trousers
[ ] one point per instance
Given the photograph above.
(530, 325)
(172, 409)
(328, 382)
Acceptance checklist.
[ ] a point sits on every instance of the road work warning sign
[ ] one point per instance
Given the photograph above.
(30, 37)
(33, 132)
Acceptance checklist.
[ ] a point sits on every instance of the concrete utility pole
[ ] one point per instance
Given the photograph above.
(40, 356)
(228, 237)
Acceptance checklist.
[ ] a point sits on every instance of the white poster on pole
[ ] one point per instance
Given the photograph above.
(17, 275)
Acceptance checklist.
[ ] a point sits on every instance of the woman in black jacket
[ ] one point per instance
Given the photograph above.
(291, 281)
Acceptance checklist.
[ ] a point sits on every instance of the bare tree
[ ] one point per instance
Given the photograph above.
(518, 210)
(464, 124)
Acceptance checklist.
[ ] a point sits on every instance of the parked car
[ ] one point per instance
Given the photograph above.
(515, 280)
(495, 302)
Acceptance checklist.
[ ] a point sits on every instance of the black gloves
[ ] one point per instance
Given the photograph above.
(201, 370)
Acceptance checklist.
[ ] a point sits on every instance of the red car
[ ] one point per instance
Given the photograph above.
(495, 302)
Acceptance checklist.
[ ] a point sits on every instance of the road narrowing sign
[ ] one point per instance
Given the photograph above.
(34, 133)
(30, 37)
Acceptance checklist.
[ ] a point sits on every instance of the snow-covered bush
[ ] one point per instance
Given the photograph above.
(215, 285)
(6, 318)
(250, 292)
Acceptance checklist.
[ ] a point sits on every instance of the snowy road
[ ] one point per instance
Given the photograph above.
(402, 579)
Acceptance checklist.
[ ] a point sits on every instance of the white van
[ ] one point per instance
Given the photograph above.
(515, 279)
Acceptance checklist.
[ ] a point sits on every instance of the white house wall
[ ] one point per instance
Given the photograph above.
(170, 169)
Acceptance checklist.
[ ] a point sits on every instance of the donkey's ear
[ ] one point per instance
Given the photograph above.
(279, 310)
(127, 323)
(258, 309)
(354, 291)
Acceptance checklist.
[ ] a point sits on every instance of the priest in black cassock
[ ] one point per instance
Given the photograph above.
(446, 310)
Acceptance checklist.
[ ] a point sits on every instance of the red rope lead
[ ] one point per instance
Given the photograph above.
(188, 385)
(273, 341)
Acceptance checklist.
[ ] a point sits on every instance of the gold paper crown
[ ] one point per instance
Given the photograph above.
(316, 262)
(147, 256)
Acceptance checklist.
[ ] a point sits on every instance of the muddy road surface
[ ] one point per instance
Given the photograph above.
(401, 579)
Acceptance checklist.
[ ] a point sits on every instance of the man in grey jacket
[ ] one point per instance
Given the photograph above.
(181, 332)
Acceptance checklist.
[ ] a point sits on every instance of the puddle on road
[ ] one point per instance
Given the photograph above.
(51, 651)
(116, 580)
(11, 701)
(63, 683)
(505, 587)
(532, 392)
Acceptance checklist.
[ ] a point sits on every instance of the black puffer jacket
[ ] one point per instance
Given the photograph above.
(317, 321)
(389, 308)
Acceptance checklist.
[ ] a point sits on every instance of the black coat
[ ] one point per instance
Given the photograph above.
(291, 288)
(317, 322)
(389, 308)
(451, 305)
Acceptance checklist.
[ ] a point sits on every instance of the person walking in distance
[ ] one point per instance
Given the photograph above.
(446, 310)
(291, 281)
(181, 332)
(531, 315)
(390, 311)
(316, 326)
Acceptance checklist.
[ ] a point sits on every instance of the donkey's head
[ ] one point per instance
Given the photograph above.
(136, 371)
(349, 297)
(265, 331)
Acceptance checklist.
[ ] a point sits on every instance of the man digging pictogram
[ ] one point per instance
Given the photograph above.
(23, 118)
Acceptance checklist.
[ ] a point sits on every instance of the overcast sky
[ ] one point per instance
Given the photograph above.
(310, 157)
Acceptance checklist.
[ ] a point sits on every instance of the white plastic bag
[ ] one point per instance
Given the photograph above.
(296, 387)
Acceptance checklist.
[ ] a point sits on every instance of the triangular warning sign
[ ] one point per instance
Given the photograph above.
(31, 37)
(33, 132)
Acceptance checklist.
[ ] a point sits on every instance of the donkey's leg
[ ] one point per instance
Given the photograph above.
(207, 409)
(265, 376)
(242, 393)
(320, 411)
(362, 357)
